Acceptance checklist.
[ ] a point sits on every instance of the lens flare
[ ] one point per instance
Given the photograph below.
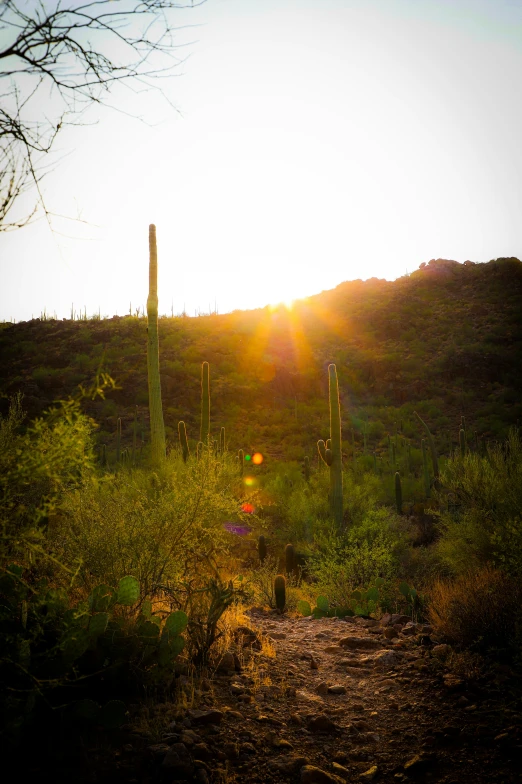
(247, 508)
(257, 458)
(247, 457)
(250, 481)
(238, 530)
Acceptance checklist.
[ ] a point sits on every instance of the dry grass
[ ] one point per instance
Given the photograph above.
(481, 611)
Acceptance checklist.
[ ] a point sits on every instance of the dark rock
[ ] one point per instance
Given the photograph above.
(321, 723)
(362, 643)
(203, 717)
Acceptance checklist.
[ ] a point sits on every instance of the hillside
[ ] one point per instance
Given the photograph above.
(445, 341)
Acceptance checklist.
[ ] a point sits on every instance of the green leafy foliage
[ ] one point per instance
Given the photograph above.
(483, 522)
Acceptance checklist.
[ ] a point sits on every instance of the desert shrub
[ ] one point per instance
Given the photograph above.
(372, 549)
(483, 523)
(36, 467)
(479, 610)
(154, 525)
(302, 509)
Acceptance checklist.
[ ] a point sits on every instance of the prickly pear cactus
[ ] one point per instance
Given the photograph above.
(128, 591)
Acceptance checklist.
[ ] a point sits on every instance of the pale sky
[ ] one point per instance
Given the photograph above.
(316, 142)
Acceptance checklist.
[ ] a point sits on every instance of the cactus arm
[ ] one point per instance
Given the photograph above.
(322, 450)
(157, 427)
(431, 442)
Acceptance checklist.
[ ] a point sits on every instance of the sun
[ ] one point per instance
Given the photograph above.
(283, 303)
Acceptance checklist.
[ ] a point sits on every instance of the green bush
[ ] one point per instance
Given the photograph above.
(480, 519)
(153, 525)
(367, 551)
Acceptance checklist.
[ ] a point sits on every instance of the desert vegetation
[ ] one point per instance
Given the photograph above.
(133, 544)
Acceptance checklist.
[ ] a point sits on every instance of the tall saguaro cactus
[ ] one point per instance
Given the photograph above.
(431, 442)
(331, 451)
(205, 403)
(183, 441)
(157, 427)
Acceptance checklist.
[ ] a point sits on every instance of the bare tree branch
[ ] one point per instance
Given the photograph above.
(70, 54)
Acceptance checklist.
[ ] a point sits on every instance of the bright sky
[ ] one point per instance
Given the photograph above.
(318, 141)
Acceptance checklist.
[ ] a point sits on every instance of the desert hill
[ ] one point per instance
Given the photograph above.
(445, 341)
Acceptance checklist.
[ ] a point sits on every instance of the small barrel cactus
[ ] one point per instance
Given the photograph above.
(280, 592)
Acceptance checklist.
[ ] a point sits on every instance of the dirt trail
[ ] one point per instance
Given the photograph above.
(340, 701)
(342, 698)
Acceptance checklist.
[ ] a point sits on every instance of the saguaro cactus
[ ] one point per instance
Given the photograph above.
(261, 549)
(134, 435)
(205, 403)
(289, 559)
(462, 442)
(427, 484)
(331, 451)
(431, 442)
(183, 441)
(280, 592)
(398, 492)
(118, 440)
(241, 462)
(157, 427)
(222, 441)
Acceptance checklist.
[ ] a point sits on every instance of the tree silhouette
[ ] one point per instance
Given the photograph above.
(67, 55)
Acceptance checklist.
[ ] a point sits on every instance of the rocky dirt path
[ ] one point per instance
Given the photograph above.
(345, 701)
